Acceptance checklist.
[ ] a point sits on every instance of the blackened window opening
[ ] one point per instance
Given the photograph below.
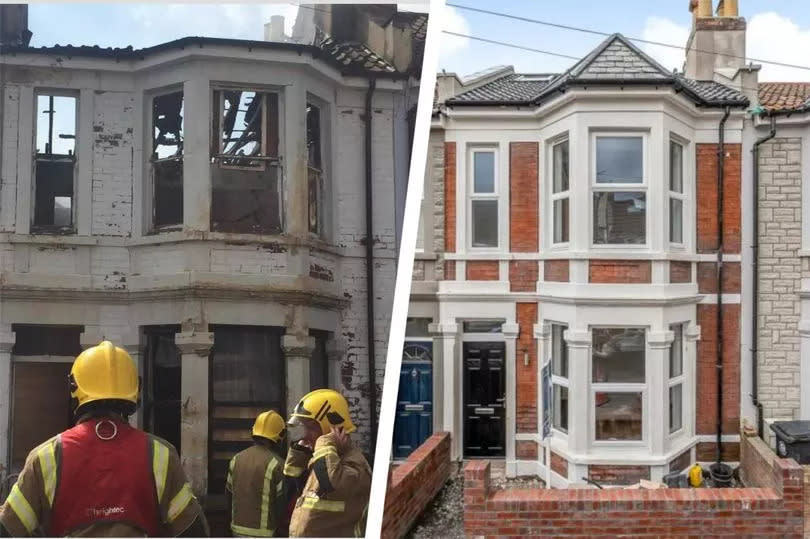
(319, 361)
(246, 172)
(167, 159)
(54, 163)
(315, 185)
(161, 384)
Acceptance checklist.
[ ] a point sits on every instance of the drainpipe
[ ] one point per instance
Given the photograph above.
(372, 381)
(718, 468)
(755, 291)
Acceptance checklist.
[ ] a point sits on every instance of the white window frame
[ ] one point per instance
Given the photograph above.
(472, 195)
(263, 157)
(325, 191)
(562, 195)
(680, 379)
(682, 196)
(557, 380)
(150, 163)
(620, 188)
(619, 387)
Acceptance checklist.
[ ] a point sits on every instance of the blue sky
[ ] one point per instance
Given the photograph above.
(777, 30)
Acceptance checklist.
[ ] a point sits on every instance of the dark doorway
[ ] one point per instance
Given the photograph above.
(484, 399)
(161, 391)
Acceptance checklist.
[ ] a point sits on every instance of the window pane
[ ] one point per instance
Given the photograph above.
(242, 123)
(619, 218)
(619, 160)
(482, 326)
(559, 409)
(676, 352)
(313, 136)
(484, 223)
(618, 416)
(618, 355)
(561, 220)
(675, 407)
(559, 351)
(484, 172)
(675, 167)
(167, 125)
(58, 137)
(675, 220)
(561, 167)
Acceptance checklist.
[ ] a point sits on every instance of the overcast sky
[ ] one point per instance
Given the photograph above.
(777, 30)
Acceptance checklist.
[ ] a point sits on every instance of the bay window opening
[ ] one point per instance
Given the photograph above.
(484, 200)
(54, 163)
(246, 172)
(559, 378)
(676, 380)
(676, 196)
(619, 193)
(315, 176)
(166, 159)
(618, 380)
(560, 193)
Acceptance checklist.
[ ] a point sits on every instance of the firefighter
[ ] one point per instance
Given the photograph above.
(255, 482)
(335, 475)
(103, 477)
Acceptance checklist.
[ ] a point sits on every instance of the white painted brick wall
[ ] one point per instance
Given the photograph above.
(8, 175)
(53, 260)
(113, 122)
(779, 277)
(248, 259)
(158, 259)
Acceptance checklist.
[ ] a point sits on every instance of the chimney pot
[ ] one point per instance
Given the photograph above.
(274, 30)
(704, 9)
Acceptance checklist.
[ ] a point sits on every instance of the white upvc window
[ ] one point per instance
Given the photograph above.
(619, 186)
(618, 384)
(677, 199)
(559, 378)
(676, 380)
(483, 199)
(560, 193)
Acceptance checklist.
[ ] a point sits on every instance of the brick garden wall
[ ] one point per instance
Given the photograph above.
(741, 512)
(415, 483)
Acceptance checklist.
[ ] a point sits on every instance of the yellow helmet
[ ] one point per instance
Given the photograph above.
(270, 425)
(104, 372)
(325, 406)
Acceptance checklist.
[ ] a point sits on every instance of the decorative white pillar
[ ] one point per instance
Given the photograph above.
(542, 334)
(447, 393)
(691, 338)
(134, 347)
(804, 367)
(580, 416)
(196, 153)
(657, 367)
(438, 375)
(510, 334)
(195, 347)
(7, 339)
(297, 354)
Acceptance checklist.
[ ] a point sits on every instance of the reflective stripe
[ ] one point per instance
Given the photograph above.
(312, 501)
(361, 524)
(251, 532)
(229, 480)
(47, 461)
(22, 509)
(292, 471)
(268, 476)
(180, 502)
(324, 451)
(160, 466)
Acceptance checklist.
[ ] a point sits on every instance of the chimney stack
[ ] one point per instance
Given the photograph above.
(14, 25)
(716, 45)
(274, 30)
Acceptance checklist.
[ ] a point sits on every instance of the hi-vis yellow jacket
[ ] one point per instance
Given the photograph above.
(334, 501)
(256, 483)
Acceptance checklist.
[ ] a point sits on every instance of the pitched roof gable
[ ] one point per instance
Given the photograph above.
(616, 58)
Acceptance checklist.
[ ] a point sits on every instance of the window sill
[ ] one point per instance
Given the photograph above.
(52, 231)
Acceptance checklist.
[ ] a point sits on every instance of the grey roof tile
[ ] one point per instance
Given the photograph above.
(508, 89)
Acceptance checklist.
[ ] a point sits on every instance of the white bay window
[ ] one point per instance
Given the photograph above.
(619, 190)
(676, 194)
(560, 192)
(484, 195)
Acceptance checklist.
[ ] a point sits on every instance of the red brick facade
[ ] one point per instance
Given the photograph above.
(619, 271)
(522, 275)
(449, 270)
(707, 371)
(450, 197)
(618, 475)
(707, 239)
(556, 270)
(559, 465)
(526, 375)
(523, 187)
(707, 277)
(680, 272)
(526, 449)
(483, 270)
(413, 484)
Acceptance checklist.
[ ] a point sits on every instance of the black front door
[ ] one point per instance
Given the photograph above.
(484, 399)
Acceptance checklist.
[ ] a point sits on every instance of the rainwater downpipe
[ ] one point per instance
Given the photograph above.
(755, 287)
(372, 378)
(720, 207)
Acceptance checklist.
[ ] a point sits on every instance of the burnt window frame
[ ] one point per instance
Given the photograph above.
(150, 161)
(216, 97)
(324, 191)
(45, 229)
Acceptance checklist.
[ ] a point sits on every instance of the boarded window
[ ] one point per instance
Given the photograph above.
(167, 159)
(315, 175)
(54, 163)
(246, 173)
(247, 377)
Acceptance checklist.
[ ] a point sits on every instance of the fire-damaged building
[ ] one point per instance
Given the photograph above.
(592, 221)
(226, 210)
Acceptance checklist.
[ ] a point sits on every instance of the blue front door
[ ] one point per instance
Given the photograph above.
(414, 422)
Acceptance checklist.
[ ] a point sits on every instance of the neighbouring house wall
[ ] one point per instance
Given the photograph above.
(414, 483)
(744, 512)
(780, 274)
